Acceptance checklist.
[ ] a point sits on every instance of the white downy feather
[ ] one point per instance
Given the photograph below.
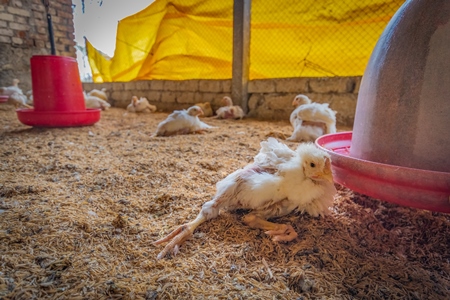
(99, 93)
(229, 111)
(318, 112)
(277, 174)
(95, 102)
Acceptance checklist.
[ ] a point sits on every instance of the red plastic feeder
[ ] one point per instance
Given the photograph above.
(399, 150)
(57, 95)
(3, 98)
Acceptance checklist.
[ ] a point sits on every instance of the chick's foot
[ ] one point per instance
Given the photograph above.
(279, 232)
(285, 233)
(178, 237)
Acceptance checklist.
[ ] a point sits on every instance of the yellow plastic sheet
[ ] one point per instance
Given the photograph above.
(192, 39)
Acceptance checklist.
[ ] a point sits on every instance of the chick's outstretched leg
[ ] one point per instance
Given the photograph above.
(279, 232)
(179, 236)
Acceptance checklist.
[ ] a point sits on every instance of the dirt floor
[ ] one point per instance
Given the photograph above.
(80, 208)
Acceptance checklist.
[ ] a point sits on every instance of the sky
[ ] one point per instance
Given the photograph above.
(98, 24)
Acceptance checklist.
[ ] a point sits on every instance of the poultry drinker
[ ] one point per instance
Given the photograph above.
(57, 91)
(399, 148)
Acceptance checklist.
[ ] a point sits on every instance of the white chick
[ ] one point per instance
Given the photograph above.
(144, 106)
(311, 120)
(279, 181)
(8, 91)
(229, 111)
(300, 99)
(140, 105)
(306, 133)
(206, 107)
(132, 106)
(18, 100)
(95, 102)
(99, 93)
(182, 122)
(318, 113)
(30, 98)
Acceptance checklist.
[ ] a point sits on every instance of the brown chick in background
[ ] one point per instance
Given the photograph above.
(206, 107)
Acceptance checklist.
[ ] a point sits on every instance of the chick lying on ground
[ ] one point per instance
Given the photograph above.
(95, 102)
(279, 181)
(140, 105)
(132, 106)
(9, 90)
(18, 100)
(16, 96)
(99, 93)
(229, 111)
(182, 122)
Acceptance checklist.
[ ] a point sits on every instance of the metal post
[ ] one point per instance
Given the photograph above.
(241, 52)
(50, 27)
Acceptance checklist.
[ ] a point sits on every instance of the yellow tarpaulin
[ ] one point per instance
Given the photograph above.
(192, 39)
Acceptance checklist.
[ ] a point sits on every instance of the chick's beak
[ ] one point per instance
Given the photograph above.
(326, 173)
(328, 176)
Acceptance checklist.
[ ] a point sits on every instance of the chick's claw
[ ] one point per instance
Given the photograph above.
(177, 238)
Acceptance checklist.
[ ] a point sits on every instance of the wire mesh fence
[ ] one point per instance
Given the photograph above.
(313, 38)
(193, 39)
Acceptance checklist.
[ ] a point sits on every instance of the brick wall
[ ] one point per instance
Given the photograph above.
(24, 33)
(269, 99)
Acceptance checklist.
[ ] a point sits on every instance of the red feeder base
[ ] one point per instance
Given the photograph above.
(3, 98)
(405, 186)
(59, 118)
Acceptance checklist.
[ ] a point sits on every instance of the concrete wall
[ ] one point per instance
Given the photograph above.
(269, 99)
(24, 33)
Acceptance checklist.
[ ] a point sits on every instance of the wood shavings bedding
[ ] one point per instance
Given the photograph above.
(80, 208)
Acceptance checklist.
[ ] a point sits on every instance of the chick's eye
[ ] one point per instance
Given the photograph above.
(313, 165)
